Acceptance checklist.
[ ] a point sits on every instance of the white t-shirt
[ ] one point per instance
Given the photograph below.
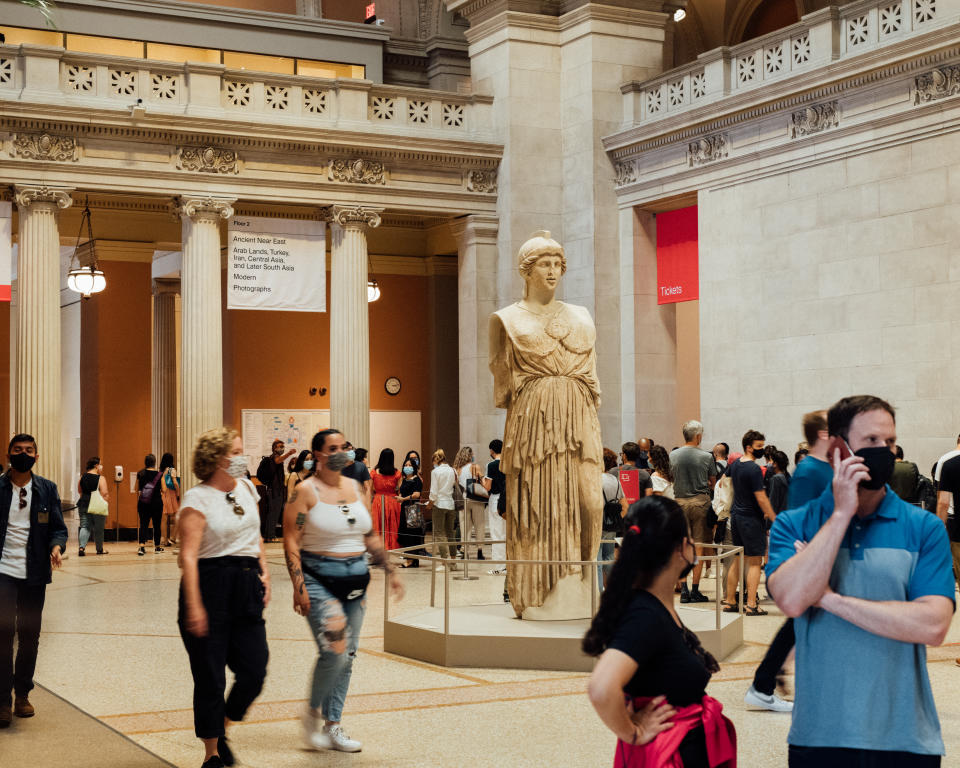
(13, 561)
(227, 534)
(661, 485)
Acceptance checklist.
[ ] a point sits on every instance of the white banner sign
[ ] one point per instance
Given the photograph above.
(277, 264)
(6, 247)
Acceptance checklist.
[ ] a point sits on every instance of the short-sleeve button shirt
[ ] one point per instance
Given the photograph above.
(855, 689)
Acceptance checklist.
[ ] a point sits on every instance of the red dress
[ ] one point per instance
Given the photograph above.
(386, 507)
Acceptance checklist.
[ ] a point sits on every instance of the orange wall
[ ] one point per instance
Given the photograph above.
(115, 373)
(272, 359)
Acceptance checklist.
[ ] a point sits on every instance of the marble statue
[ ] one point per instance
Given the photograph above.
(545, 374)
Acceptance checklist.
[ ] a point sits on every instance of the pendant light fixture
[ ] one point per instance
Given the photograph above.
(373, 287)
(85, 280)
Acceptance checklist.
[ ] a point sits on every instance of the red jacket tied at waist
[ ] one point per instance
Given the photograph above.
(663, 751)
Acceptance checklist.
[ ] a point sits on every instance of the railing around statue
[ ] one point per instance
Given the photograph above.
(724, 641)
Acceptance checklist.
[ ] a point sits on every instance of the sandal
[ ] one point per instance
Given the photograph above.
(755, 611)
(729, 607)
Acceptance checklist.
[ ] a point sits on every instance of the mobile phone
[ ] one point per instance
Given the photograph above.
(835, 443)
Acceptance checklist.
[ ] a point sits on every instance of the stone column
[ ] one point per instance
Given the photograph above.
(164, 381)
(201, 357)
(350, 322)
(480, 420)
(37, 409)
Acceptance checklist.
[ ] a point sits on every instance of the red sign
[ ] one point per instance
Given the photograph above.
(371, 11)
(630, 482)
(678, 267)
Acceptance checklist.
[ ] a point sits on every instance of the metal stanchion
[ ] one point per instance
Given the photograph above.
(466, 548)
(116, 484)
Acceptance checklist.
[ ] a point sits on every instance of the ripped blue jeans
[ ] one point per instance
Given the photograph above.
(336, 629)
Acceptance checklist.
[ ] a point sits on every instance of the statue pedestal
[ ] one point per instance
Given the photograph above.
(567, 601)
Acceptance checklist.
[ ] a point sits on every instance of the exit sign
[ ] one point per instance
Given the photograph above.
(371, 11)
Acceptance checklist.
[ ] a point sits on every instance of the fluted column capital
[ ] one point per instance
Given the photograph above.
(204, 207)
(26, 195)
(355, 216)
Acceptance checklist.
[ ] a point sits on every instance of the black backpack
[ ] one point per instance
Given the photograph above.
(612, 515)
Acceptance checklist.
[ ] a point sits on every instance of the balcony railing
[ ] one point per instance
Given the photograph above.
(33, 74)
(818, 39)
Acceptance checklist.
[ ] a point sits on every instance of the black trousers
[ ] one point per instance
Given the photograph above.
(765, 678)
(21, 607)
(149, 514)
(236, 638)
(837, 757)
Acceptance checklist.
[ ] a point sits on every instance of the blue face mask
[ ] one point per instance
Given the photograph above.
(408, 471)
(351, 454)
(308, 464)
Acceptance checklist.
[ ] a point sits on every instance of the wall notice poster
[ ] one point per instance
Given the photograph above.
(6, 248)
(678, 265)
(276, 264)
(399, 430)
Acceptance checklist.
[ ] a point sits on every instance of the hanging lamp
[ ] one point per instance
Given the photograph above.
(373, 287)
(85, 280)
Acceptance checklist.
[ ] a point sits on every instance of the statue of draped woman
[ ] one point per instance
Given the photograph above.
(545, 374)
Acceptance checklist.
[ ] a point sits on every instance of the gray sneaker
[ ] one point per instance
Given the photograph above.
(313, 736)
(339, 740)
(774, 703)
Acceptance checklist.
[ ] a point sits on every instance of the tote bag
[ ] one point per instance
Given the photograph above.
(98, 505)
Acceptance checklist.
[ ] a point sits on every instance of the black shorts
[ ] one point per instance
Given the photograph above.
(748, 532)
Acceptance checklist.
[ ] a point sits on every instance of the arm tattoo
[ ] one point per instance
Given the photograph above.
(301, 519)
(293, 496)
(296, 574)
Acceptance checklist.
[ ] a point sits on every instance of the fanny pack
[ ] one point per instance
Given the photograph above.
(344, 588)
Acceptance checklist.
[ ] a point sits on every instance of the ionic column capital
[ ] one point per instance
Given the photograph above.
(204, 207)
(355, 216)
(26, 195)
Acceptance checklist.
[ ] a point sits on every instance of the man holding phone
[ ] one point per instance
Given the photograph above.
(868, 579)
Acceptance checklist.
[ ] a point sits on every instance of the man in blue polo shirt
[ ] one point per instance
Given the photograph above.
(868, 579)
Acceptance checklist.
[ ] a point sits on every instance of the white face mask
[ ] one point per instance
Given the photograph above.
(237, 466)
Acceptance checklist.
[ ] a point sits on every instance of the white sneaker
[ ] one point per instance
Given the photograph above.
(774, 703)
(313, 736)
(339, 740)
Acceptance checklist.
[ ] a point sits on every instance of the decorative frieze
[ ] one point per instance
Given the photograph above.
(937, 84)
(45, 146)
(357, 171)
(814, 118)
(626, 172)
(482, 181)
(707, 149)
(207, 160)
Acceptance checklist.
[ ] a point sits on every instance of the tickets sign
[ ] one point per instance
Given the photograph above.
(678, 265)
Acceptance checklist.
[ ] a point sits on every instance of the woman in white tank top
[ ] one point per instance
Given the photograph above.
(327, 533)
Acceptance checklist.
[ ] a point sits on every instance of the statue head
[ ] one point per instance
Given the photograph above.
(540, 244)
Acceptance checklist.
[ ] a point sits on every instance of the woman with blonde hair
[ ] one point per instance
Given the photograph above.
(475, 509)
(224, 588)
(442, 480)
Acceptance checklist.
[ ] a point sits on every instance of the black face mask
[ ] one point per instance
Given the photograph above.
(689, 566)
(22, 462)
(880, 461)
(643, 455)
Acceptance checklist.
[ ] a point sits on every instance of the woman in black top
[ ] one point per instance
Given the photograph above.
(91, 525)
(409, 494)
(149, 502)
(649, 684)
(779, 481)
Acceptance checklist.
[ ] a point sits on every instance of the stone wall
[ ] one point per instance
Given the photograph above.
(835, 279)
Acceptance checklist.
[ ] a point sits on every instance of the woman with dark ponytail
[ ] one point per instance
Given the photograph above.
(649, 684)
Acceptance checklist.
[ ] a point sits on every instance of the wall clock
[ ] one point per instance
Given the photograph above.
(392, 385)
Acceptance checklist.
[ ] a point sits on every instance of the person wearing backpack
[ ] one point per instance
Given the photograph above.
(614, 508)
(149, 503)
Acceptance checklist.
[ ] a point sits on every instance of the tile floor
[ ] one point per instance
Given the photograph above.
(110, 646)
